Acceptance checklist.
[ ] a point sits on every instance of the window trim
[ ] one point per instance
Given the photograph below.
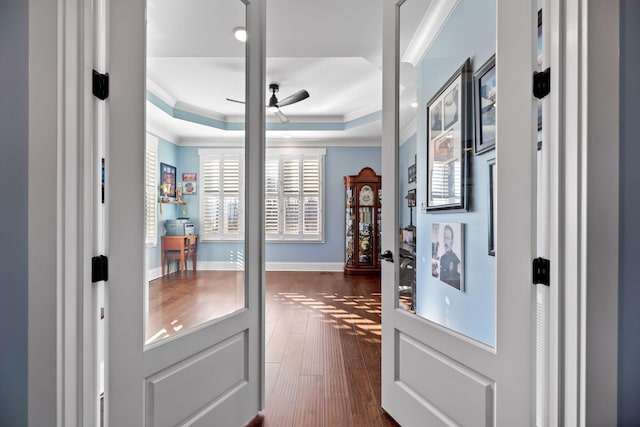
(205, 153)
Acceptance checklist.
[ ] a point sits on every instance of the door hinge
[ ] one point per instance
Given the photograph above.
(541, 83)
(100, 85)
(541, 271)
(99, 269)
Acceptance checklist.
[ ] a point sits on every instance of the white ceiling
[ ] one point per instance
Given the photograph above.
(331, 48)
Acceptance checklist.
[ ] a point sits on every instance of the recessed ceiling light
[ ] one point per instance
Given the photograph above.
(287, 136)
(414, 104)
(240, 33)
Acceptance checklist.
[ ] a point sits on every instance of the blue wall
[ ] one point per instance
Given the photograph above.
(14, 134)
(469, 32)
(339, 161)
(629, 284)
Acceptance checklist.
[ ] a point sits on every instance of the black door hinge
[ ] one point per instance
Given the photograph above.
(541, 83)
(99, 269)
(541, 271)
(100, 86)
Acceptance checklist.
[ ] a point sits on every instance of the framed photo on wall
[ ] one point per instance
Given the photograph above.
(484, 103)
(168, 177)
(189, 183)
(447, 253)
(448, 143)
(412, 173)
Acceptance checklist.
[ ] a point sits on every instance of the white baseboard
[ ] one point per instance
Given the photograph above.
(270, 266)
(154, 273)
(304, 266)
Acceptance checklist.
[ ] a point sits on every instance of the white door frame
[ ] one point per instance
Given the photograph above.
(584, 212)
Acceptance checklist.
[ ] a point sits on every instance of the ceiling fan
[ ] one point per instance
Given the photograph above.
(274, 105)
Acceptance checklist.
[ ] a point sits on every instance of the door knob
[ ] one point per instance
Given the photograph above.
(387, 256)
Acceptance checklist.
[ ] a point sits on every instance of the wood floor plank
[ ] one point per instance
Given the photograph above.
(309, 410)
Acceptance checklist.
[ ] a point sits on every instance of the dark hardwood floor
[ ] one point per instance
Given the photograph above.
(323, 350)
(322, 334)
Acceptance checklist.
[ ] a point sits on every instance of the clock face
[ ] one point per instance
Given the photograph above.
(366, 196)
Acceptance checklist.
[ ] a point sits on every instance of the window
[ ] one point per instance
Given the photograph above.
(151, 190)
(222, 194)
(293, 194)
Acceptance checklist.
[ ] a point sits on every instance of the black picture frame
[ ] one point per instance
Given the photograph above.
(492, 202)
(168, 176)
(484, 102)
(412, 173)
(411, 200)
(448, 114)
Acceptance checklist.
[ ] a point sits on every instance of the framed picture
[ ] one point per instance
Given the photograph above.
(189, 183)
(411, 198)
(448, 144)
(484, 95)
(492, 202)
(412, 173)
(168, 177)
(447, 253)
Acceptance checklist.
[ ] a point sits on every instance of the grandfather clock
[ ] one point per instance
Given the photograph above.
(363, 206)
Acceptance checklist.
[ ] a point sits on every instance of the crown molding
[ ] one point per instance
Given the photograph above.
(432, 22)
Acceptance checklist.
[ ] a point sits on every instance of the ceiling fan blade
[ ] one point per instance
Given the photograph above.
(234, 100)
(296, 97)
(280, 115)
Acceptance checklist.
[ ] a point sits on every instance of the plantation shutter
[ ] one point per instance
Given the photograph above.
(293, 194)
(221, 191)
(151, 190)
(311, 197)
(272, 198)
(291, 190)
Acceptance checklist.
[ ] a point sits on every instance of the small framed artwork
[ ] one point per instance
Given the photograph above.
(484, 95)
(168, 177)
(492, 204)
(447, 253)
(411, 198)
(448, 144)
(412, 173)
(189, 183)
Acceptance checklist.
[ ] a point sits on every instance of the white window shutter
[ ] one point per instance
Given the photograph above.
(151, 190)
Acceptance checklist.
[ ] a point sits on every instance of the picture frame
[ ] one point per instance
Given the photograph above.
(189, 184)
(412, 173)
(411, 198)
(447, 253)
(168, 176)
(448, 134)
(492, 202)
(484, 102)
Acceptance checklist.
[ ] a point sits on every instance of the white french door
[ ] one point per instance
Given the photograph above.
(211, 374)
(462, 352)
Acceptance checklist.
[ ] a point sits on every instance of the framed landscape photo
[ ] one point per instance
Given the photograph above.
(168, 176)
(448, 143)
(484, 103)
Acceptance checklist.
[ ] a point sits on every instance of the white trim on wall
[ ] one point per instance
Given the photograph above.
(156, 273)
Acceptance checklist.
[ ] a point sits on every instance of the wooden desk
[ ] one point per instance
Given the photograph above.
(180, 248)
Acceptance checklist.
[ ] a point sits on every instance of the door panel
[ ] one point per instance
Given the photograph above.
(462, 356)
(210, 373)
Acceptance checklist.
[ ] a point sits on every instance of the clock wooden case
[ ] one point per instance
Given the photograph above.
(363, 199)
